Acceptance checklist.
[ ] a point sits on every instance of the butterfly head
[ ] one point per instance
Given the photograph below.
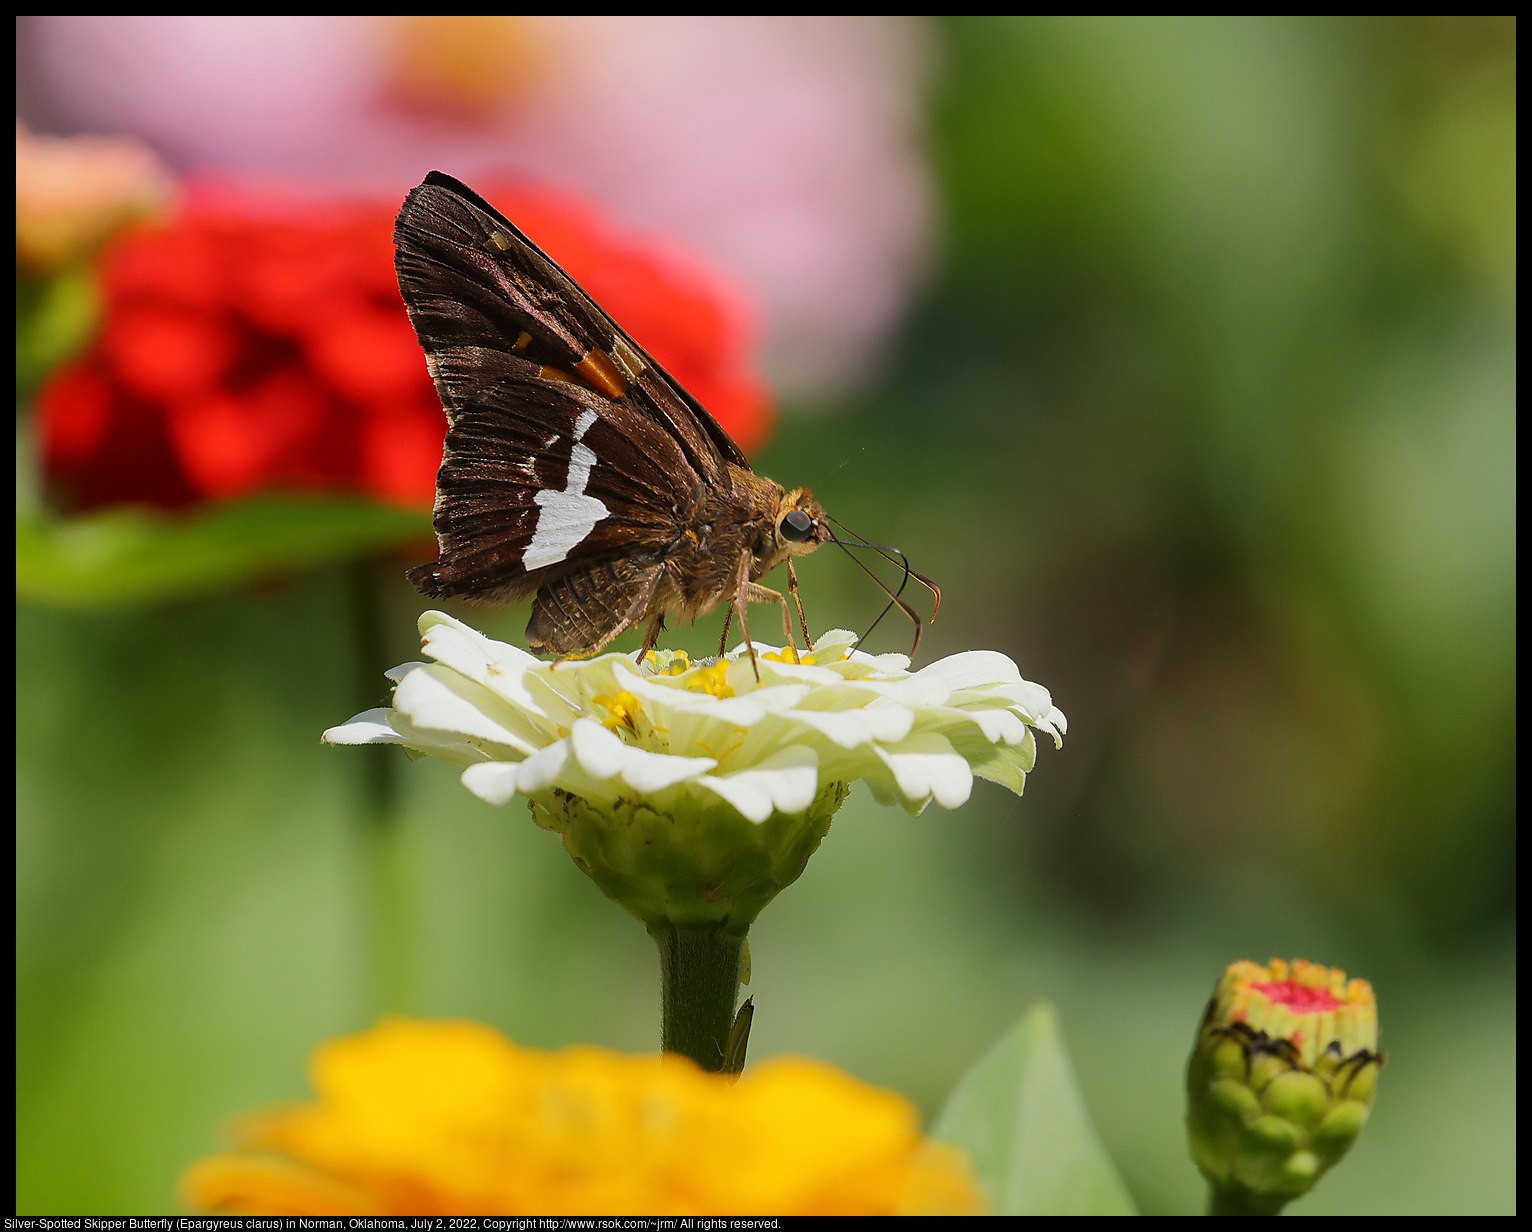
(800, 523)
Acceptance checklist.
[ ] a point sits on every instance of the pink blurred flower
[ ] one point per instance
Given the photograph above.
(782, 148)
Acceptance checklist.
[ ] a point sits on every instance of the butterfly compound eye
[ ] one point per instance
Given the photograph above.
(796, 526)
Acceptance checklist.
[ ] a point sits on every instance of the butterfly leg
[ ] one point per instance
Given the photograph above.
(792, 585)
(741, 597)
(652, 635)
(723, 640)
(762, 594)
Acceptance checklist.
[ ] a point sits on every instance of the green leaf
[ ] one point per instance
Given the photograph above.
(132, 556)
(55, 317)
(1020, 1116)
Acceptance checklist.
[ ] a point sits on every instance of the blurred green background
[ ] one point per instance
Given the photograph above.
(1206, 418)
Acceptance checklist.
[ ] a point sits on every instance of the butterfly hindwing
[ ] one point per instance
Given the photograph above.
(538, 475)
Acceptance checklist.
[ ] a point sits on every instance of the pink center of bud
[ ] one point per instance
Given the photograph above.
(1299, 997)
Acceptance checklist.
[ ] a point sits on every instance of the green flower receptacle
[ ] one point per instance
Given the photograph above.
(697, 878)
(699, 870)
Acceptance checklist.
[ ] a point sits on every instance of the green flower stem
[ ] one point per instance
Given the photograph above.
(1237, 1200)
(699, 981)
(391, 978)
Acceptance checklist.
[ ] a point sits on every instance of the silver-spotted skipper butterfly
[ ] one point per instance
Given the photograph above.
(575, 468)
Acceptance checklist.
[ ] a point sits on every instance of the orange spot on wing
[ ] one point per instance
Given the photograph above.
(600, 373)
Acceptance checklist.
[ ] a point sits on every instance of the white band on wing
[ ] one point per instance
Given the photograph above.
(565, 518)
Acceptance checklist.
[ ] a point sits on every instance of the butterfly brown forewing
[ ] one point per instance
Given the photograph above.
(575, 469)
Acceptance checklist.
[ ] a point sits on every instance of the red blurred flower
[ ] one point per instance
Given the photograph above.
(252, 345)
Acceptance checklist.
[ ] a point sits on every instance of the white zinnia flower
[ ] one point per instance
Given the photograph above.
(695, 791)
(609, 727)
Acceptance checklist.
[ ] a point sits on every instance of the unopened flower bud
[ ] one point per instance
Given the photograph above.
(1280, 1082)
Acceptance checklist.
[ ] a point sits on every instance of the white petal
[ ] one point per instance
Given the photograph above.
(493, 781)
(890, 664)
(750, 709)
(512, 678)
(996, 725)
(739, 711)
(741, 678)
(437, 697)
(973, 669)
(450, 747)
(1033, 699)
(602, 755)
(926, 764)
(1000, 726)
(1007, 764)
(396, 674)
(1055, 722)
(836, 644)
(886, 792)
(494, 664)
(540, 770)
(599, 753)
(850, 728)
(461, 651)
(645, 771)
(438, 626)
(786, 782)
(757, 704)
(907, 691)
(369, 727)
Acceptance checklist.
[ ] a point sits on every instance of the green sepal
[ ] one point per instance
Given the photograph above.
(1261, 1126)
(1298, 1096)
(1339, 1129)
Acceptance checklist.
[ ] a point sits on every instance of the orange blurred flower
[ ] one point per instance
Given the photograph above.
(73, 192)
(260, 343)
(451, 1118)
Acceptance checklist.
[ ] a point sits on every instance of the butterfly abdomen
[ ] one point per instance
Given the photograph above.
(582, 611)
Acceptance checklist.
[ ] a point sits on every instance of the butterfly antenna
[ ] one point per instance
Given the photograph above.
(883, 550)
(899, 558)
(887, 607)
(893, 599)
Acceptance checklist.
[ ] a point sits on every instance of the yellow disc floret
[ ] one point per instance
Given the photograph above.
(712, 680)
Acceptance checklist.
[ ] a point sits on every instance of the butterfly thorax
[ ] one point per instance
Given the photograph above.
(703, 565)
